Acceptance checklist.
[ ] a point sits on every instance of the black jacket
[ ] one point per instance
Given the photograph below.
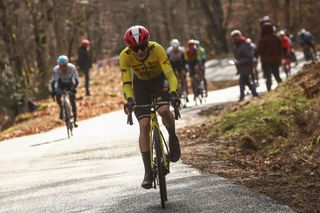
(244, 55)
(84, 58)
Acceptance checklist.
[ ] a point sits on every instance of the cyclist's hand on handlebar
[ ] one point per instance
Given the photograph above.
(175, 100)
(128, 107)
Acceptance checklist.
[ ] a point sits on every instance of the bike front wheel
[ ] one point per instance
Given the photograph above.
(67, 115)
(160, 167)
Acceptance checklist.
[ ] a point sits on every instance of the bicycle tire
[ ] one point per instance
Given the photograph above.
(67, 114)
(160, 167)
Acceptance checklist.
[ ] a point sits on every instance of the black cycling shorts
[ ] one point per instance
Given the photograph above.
(145, 89)
(177, 66)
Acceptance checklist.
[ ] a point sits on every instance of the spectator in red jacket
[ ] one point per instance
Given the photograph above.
(286, 50)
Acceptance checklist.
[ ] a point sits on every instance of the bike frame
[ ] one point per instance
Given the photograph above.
(154, 124)
(159, 163)
(67, 112)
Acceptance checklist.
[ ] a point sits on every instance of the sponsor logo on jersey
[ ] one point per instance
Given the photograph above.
(166, 61)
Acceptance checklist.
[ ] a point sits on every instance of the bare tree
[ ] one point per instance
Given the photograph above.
(214, 11)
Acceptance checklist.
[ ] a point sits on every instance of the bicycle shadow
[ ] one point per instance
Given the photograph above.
(49, 142)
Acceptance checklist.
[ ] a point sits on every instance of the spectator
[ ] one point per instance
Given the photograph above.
(244, 62)
(266, 20)
(286, 50)
(255, 74)
(84, 62)
(306, 41)
(269, 49)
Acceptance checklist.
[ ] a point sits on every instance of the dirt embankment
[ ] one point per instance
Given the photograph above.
(270, 144)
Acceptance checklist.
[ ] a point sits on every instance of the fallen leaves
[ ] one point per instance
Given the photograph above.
(106, 96)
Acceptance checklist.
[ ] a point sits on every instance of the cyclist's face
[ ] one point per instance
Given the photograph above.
(140, 52)
(175, 49)
(63, 67)
(236, 38)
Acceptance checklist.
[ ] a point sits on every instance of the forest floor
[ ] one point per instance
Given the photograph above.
(223, 145)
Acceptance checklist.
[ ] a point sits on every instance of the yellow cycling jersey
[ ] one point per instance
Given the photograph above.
(154, 65)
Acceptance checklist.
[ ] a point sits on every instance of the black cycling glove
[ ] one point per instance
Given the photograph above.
(175, 100)
(131, 103)
(76, 83)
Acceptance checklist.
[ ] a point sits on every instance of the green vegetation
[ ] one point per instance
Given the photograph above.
(270, 144)
(272, 115)
(275, 121)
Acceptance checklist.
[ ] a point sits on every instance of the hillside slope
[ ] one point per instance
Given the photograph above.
(271, 144)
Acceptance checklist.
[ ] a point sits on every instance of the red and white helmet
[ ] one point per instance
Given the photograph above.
(136, 35)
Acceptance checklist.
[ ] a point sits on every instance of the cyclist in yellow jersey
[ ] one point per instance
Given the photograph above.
(146, 72)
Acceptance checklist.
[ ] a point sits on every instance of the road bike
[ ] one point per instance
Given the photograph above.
(198, 86)
(159, 152)
(182, 88)
(309, 55)
(66, 112)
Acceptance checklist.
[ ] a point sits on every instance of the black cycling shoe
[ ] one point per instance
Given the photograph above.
(75, 124)
(147, 181)
(148, 175)
(174, 147)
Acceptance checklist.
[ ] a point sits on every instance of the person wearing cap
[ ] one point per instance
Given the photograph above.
(306, 41)
(243, 58)
(255, 74)
(84, 62)
(269, 50)
(286, 50)
(266, 20)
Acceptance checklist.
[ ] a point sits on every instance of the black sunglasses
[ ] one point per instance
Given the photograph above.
(142, 47)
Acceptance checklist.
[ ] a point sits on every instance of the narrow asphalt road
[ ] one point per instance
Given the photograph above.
(100, 170)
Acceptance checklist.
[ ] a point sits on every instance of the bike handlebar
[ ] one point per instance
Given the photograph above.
(130, 121)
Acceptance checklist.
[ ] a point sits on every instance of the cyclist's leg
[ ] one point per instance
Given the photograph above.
(72, 97)
(58, 92)
(168, 122)
(144, 145)
(203, 76)
(192, 74)
(142, 96)
(162, 93)
(182, 80)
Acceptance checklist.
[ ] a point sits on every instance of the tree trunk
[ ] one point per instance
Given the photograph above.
(287, 14)
(215, 16)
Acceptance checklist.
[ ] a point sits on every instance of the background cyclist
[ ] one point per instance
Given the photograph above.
(65, 76)
(202, 57)
(176, 56)
(285, 52)
(192, 60)
(152, 75)
(306, 41)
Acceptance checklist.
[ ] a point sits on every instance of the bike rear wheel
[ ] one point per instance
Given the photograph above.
(160, 167)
